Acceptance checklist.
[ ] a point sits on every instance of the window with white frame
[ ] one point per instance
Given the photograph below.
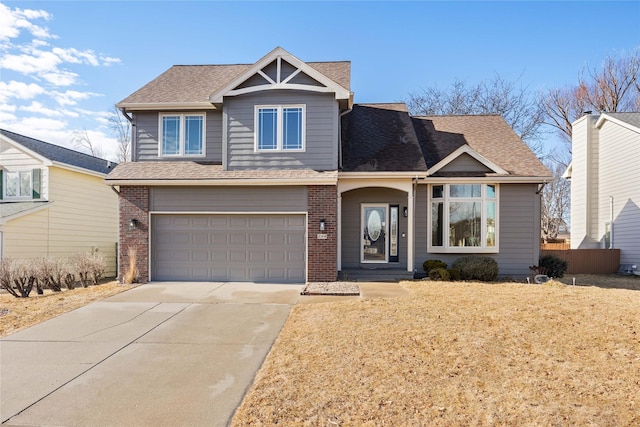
(20, 184)
(280, 127)
(463, 218)
(182, 134)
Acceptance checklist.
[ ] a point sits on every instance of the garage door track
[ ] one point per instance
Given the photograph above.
(159, 354)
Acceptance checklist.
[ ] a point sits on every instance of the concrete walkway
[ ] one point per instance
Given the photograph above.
(162, 354)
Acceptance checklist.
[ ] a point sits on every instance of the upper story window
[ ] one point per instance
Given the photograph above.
(463, 218)
(280, 127)
(22, 184)
(182, 134)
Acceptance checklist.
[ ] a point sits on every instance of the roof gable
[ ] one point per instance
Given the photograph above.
(279, 70)
(482, 164)
(629, 121)
(56, 154)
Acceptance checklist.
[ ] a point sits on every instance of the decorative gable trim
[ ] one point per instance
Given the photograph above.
(465, 149)
(280, 81)
(605, 117)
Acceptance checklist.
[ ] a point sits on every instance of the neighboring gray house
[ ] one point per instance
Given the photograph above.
(268, 172)
(605, 184)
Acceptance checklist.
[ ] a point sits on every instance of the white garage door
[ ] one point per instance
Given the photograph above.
(243, 248)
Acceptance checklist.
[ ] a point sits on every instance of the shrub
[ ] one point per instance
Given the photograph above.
(439, 274)
(474, 267)
(432, 264)
(454, 273)
(24, 276)
(554, 265)
(90, 267)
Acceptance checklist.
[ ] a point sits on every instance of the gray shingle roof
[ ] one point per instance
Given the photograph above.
(188, 170)
(383, 138)
(632, 118)
(380, 137)
(488, 135)
(195, 83)
(13, 208)
(61, 154)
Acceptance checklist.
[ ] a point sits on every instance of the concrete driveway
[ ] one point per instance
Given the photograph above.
(162, 354)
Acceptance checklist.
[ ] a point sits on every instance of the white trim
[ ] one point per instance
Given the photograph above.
(279, 128)
(465, 149)
(603, 117)
(463, 249)
(281, 86)
(80, 170)
(155, 106)
(181, 142)
(45, 161)
(278, 54)
(306, 231)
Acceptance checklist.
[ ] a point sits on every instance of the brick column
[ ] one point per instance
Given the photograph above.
(134, 204)
(322, 203)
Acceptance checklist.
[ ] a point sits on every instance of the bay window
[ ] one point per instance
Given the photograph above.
(182, 134)
(463, 218)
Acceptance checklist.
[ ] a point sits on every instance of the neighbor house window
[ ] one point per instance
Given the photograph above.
(280, 127)
(24, 184)
(182, 134)
(463, 218)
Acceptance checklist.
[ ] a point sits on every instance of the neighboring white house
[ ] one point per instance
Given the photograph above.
(53, 202)
(605, 184)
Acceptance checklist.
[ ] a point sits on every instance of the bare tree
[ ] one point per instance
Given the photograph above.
(121, 129)
(496, 96)
(82, 142)
(556, 201)
(614, 87)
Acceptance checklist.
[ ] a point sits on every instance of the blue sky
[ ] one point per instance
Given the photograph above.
(64, 64)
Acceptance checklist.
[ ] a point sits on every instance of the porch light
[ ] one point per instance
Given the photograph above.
(323, 224)
(133, 224)
(405, 212)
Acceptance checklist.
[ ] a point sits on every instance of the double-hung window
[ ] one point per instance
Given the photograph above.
(280, 127)
(21, 184)
(463, 218)
(182, 134)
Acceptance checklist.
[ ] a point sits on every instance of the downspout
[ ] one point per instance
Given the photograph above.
(133, 130)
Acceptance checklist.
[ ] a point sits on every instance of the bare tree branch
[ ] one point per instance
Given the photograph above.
(121, 130)
(82, 142)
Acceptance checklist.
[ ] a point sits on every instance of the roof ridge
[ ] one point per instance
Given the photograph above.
(239, 64)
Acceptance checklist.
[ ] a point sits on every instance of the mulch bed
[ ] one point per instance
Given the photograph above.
(331, 288)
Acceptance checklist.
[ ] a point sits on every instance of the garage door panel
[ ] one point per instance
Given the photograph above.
(260, 248)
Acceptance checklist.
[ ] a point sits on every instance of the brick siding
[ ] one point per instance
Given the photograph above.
(322, 203)
(134, 204)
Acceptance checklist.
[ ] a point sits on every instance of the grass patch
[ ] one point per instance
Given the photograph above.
(17, 314)
(456, 354)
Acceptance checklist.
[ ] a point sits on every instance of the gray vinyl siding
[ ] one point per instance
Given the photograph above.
(321, 138)
(518, 230)
(228, 199)
(146, 137)
(351, 228)
(619, 167)
(465, 163)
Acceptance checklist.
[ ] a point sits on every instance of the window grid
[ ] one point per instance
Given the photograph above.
(182, 135)
(280, 128)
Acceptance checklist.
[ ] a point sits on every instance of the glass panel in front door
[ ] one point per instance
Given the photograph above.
(374, 232)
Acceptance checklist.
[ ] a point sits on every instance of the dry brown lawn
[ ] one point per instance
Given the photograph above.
(457, 354)
(20, 313)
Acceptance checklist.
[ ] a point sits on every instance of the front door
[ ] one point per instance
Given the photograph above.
(375, 229)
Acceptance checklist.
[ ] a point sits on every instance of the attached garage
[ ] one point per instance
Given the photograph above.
(228, 247)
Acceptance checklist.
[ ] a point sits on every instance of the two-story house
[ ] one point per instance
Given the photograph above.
(53, 202)
(268, 172)
(605, 184)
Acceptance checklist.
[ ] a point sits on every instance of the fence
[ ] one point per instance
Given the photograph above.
(588, 261)
(555, 246)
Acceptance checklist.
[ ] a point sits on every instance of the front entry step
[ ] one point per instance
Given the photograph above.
(374, 275)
